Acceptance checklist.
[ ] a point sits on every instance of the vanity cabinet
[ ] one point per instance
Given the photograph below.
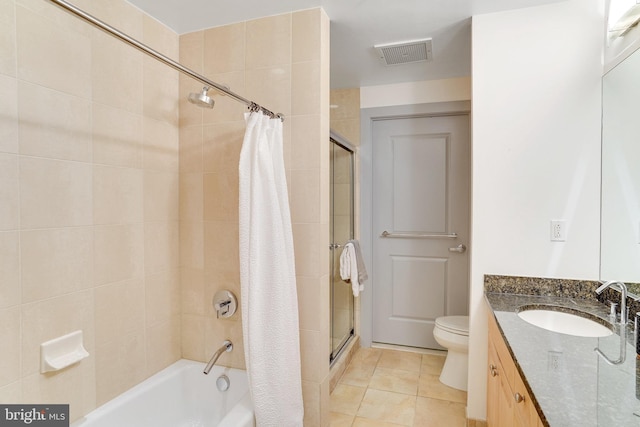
(508, 402)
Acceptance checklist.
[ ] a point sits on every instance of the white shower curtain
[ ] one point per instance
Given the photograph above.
(267, 277)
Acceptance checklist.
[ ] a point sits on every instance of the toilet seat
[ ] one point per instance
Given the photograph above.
(458, 325)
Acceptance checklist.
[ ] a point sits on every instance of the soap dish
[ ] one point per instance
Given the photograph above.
(61, 352)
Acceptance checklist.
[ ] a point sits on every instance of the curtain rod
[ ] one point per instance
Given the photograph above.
(160, 57)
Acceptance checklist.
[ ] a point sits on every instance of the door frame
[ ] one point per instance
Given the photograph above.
(367, 117)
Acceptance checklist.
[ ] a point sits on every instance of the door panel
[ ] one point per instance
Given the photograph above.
(421, 197)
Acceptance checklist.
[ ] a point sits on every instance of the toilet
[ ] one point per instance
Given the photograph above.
(452, 333)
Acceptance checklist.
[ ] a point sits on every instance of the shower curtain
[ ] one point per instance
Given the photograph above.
(267, 277)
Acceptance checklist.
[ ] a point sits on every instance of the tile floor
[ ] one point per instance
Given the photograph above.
(390, 388)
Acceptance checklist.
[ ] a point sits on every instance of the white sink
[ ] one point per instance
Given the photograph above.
(564, 323)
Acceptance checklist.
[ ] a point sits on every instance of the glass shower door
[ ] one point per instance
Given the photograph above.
(341, 226)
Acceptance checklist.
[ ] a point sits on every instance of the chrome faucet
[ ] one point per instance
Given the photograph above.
(624, 315)
(227, 346)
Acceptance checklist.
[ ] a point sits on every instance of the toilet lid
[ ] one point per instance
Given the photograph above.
(454, 324)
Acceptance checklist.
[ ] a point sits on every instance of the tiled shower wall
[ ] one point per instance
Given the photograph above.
(281, 62)
(88, 201)
(103, 213)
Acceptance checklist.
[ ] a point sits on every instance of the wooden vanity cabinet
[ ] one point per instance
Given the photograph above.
(508, 402)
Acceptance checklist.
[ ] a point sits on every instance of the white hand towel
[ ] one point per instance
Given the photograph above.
(349, 266)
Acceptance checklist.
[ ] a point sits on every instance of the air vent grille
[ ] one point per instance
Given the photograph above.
(405, 52)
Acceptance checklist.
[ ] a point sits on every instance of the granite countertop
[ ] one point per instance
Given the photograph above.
(582, 389)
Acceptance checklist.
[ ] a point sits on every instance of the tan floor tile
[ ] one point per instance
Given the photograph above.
(341, 420)
(430, 386)
(346, 399)
(404, 360)
(358, 375)
(367, 356)
(388, 407)
(396, 380)
(366, 422)
(432, 364)
(438, 413)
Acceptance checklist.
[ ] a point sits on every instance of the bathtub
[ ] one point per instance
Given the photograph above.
(179, 396)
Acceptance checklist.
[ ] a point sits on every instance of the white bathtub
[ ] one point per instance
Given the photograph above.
(179, 396)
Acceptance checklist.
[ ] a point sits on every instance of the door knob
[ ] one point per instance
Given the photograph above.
(460, 248)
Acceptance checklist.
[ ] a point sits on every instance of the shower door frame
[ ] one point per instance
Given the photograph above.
(339, 141)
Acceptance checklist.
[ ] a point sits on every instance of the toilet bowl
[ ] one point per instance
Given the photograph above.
(452, 333)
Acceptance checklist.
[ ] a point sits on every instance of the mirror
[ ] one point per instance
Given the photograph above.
(620, 228)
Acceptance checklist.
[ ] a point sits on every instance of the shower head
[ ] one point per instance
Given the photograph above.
(201, 99)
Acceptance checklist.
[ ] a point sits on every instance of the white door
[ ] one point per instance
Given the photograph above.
(421, 185)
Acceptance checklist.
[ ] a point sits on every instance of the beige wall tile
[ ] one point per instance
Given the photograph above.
(116, 73)
(161, 145)
(192, 51)
(346, 102)
(221, 247)
(8, 37)
(275, 96)
(52, 318)
(11, 393)
(305, 151)
(163, 344)
(309, 293)
(162, 297)
(10, 333)
(118, 253)
(119, 310)
(192, 292)
(221, 195)
(191, 148)
(161, 247)
(120, 365)
(160, 91)
(268, 41)
(45, 51)
(305, 84)
(54, 124)
(161, 196)
(8, 114)
(306, 240)
(55, 262)
(74, 386)
(305, 196)
(191, 197)
(222, 146)
(10, 287)
(118, 13)
(117, 137)
(9, 192)
(159, 37)
(117, 195)
(55, 193)
(224, 49)
(306, 35)
(311, 399)
(192, 335)
(314, 356)
(192, 244)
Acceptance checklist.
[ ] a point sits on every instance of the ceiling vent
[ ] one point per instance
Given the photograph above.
(405, 52)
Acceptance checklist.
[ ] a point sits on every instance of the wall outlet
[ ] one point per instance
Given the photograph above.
(558, 230)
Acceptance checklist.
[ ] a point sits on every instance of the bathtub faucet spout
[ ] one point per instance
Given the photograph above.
(227, 346)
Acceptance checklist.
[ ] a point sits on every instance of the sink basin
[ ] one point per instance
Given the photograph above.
(564, 323)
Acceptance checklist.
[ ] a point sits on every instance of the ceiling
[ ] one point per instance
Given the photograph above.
(356, 26)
